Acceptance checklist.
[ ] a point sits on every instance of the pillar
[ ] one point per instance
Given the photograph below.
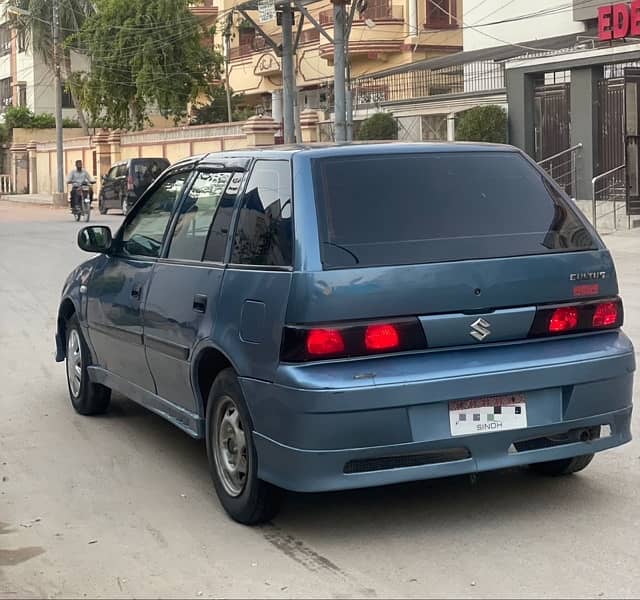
(32, 151)
(20, 168)
(309, 125)
(451, 127)
(260, 131)
(584, 126)
(520, 96)
(114, 143)
(103, 155)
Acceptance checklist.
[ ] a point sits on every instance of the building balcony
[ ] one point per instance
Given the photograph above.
(386, 36)
(204, 9)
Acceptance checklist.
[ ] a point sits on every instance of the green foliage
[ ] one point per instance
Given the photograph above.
(216, 110)
(381, 126)
(144, 53)
(18, 116)
(22, 117)
(483, 124)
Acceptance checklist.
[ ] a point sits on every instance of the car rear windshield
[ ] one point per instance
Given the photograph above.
(396, 209)
(148, 168)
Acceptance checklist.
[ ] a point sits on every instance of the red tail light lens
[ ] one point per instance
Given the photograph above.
(342, 340)
(324, 342)
(563, 319)
(606, 315)
(577, 318)
(381, 337)
(130, 183)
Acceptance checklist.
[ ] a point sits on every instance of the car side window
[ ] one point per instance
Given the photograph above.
(264, 234)
(197, 215)
(121, 171)
(144, 234)
(112, 173)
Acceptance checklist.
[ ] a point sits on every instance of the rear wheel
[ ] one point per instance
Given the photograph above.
(101, 207)
(126, 207)
(565, 466)
(87, 398)
(233, 461)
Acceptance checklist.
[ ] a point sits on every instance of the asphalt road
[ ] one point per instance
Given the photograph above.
(122, 505)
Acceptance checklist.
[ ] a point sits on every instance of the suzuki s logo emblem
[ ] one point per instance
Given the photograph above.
(480, 330)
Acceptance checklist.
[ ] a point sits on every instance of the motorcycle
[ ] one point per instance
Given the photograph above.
(81, 205)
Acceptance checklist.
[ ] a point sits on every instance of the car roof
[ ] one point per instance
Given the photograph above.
(323, 150)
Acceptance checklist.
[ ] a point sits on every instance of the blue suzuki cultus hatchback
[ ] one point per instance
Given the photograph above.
(337, 317)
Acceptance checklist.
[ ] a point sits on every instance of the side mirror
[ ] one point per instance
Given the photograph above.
(95, 239)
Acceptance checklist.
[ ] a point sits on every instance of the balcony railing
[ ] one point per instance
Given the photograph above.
(201, 4)
(421, 83)
(377, 10)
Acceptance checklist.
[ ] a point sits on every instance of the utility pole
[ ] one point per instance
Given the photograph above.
(349, 91)
(339, 64)
(58, 98)
(227, 50)
(288, 74)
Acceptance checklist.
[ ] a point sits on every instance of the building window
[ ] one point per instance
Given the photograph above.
(67, 99)
(5, 40)
(22, 40)
(6, 93)
(442, 14)
(22, 94)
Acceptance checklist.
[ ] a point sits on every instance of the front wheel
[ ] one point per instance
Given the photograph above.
(87, 214)
(76, 216)
(101, 207)
(233, 460)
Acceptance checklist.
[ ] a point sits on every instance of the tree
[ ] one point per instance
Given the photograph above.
(36, 25)
(381, 126)
(144, 54)
(483, 124)
(216, 110)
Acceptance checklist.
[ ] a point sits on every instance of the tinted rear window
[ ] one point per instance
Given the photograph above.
(399, 209)
(148, 168)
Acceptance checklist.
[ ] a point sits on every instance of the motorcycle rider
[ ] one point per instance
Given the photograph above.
(76, 179)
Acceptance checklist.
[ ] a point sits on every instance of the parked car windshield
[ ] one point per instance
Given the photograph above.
(394, 209)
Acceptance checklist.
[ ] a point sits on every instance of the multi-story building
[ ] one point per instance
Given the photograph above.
(385, 33)
(25, 78)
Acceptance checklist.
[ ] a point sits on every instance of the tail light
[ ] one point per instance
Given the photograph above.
(577, 318)
(130, 183)
(301, 344)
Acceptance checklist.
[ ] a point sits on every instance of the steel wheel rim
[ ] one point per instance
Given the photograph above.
(230, 448)
(125, 206)
(74, 363)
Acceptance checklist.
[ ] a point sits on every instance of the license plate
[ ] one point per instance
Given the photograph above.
(487, 415)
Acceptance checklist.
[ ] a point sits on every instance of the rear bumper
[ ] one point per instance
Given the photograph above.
(330, 427)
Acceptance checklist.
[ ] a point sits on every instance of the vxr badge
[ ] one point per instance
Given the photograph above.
(480, 330)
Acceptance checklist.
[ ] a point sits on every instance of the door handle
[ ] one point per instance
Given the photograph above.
(200, 303)
(136, 291)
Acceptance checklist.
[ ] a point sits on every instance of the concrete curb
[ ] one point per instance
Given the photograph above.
(38, 199)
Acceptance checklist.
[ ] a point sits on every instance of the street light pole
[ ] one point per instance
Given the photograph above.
(339, 62)
(58, 99)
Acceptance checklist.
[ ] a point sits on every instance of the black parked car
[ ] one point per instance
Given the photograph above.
(127, 180)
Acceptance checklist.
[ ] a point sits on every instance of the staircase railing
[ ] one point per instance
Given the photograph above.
(562, 168)
(609, 187)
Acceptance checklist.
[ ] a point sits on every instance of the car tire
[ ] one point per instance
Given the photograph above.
(233, 461)
(565, 466)
(87, 398)
(102, 208)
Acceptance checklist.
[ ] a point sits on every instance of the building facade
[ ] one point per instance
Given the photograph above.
(25, 78)
(385, 33)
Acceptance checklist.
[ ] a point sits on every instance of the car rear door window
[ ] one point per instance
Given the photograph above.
(144, 234)
(264, 234)
(394, 209)
(197, 215)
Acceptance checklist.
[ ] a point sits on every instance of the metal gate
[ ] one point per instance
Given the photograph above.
(552, 120)
(610, 124)
(632, 139)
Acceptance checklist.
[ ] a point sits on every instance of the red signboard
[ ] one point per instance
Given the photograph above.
(618, 21)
